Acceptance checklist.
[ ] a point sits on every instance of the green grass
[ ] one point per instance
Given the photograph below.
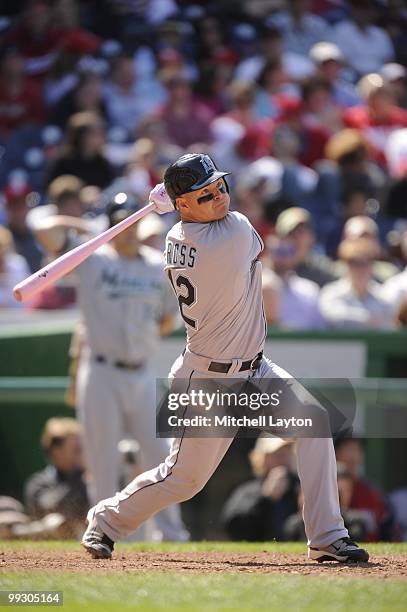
(224, 591)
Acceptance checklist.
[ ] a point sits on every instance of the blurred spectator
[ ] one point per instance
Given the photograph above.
(82, 153)
(296, 225)
(185, 122)
(35, 35)
(210, 38)
(348, 152)
(257, 189)
(365, 497)
(20, 98)
(65, 193)
(272, 84)
(396, 157)
(242, 104)
(66, 19)
(55, 297)
(346, 184)
(60, 487)
(357, 522)
(355, 301)
(354, 203)
(398, 501)
(362, 226)
(400, 320)
(75, 44)
(329, 62)
(296, 297)
(271, 48)
(18, 197)
(319, 109)
(395, 77)
(227, 135)
(86, 96)
(307, 118)
(395, 288)
(13, 269)
(211, 87)
(142, 172)
(125, 103)
(379, 117)
(151, 231)
(300, 28)
(365, 46)
(153, 128)
(298, 181)
(256, 511)
(12, 513)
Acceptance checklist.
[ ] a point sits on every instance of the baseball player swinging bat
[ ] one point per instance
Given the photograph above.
(55, 270)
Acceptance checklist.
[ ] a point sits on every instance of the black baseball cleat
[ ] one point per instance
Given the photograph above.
(96, 543)
(343, 550)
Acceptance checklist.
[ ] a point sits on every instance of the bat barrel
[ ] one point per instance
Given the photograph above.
(50, 273)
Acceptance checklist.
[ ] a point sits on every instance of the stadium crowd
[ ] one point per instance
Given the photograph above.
(305, 102)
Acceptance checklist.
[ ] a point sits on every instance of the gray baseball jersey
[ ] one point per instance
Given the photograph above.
(122, 301)
(214, 271)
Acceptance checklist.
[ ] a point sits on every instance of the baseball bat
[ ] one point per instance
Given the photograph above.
(53, 271)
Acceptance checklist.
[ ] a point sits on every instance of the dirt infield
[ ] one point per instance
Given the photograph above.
(380, 566)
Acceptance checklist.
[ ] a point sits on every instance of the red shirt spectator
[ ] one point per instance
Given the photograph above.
(313, 138)
(36, 37)
(366, 497)
(186, 121)
(376, 129)
(20, 98)
(379, 117)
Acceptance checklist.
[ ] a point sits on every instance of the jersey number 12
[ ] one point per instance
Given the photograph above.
(186, 297)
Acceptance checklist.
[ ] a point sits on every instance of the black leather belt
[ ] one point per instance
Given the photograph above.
(122, 365)
(223, 368)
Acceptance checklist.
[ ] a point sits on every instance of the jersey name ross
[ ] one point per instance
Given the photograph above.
(181, 255)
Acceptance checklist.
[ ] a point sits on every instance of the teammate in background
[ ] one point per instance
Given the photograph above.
(212, 262)
(125, 304)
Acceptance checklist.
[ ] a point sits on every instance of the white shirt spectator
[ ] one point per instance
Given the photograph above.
(364, 50)
(395, 289)
(16, 269)
(297, 300)
(343, 308)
